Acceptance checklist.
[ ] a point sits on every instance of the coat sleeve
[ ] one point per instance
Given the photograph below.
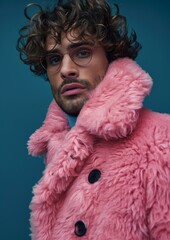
(158, 186)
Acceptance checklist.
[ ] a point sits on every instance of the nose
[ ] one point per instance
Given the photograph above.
(69, 69)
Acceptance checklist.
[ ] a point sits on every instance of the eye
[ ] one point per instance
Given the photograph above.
(83, 53)
(53, 59)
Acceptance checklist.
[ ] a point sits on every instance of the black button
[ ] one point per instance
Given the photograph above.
(80, 229)
(94, 176)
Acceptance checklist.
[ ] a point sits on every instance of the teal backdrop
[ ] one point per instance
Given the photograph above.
(24, 99)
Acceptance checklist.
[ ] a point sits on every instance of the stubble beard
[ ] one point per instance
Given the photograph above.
(73, 104)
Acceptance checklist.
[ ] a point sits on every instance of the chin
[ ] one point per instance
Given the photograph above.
(74, 108)
(73, 104)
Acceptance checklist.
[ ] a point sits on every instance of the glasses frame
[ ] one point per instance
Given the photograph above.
(75, 47)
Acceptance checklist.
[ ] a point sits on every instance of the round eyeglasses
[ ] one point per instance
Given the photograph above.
(80, 55)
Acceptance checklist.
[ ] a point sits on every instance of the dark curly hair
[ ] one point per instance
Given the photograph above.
(90, 17)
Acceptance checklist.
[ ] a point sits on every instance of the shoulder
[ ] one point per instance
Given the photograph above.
(156, 116)
(149, 120)
(152, 135)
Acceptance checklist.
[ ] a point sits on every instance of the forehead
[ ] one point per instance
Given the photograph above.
(66, 40)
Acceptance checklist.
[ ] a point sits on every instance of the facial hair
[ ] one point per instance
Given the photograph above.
(74, 103)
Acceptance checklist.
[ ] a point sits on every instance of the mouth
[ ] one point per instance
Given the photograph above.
(72, 89)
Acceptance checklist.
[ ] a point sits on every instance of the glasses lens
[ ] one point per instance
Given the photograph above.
(51, 61)
(82, 55)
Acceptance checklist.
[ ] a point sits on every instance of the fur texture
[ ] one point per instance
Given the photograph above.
(129, 145)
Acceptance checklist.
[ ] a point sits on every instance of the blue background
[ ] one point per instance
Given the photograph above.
(24, 99)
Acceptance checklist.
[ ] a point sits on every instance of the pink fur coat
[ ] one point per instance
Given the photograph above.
(107, 178)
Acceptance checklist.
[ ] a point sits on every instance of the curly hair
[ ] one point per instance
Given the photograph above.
(90, 18)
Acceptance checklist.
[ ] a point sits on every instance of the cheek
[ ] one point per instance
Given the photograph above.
(98, 72)
(103, 67)
(99, 67)
(54, 87)
(54, 83)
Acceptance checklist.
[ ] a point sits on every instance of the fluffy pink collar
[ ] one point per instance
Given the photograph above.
(111, 111)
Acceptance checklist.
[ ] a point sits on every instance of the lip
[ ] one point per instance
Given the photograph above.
(72, 89)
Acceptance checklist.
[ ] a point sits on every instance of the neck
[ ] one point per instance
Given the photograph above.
(71, 119)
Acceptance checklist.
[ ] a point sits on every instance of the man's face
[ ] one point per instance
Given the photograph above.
(74, 70)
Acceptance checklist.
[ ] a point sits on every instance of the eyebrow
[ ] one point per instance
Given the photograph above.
(71, 46)
(79, 44)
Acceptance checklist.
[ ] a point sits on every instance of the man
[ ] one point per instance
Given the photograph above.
(108, 158)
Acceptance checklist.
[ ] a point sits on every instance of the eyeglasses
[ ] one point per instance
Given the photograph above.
(80, 55)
